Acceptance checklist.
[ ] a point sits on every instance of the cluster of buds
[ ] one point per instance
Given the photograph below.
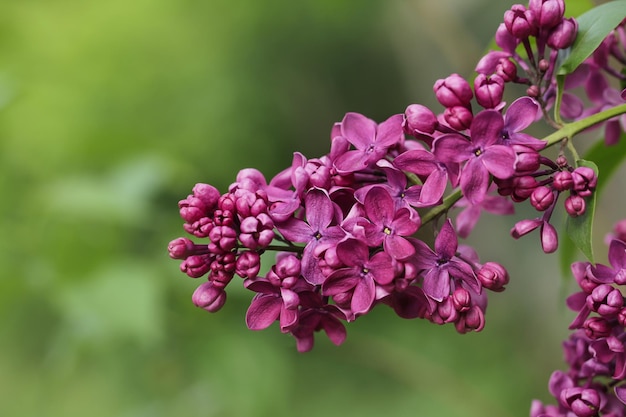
(596, 351)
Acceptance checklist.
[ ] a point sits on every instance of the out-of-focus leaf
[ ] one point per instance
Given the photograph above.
(609, 158)
(593, 26)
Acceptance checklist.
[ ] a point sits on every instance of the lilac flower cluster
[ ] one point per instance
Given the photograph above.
(596, 351)
(344, 225)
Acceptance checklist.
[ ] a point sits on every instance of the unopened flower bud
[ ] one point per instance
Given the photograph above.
(493, 276)
(459, 118)
(461, 299)
(207, 193)
(489, 90)
(209, 297)
(471, 320)
(196, 265)
(248, 264)
(542, 198)
(619, 230)
(520, 22)
(543, 65)
(584, 402)
(605, 300)
(506, 69)
(523, 187)
(453, 91)
(446, 312)
(549, 238)
(182, 247)
(585, 181)
(548, 13)
(532, 91)
(575, 205)
(597, 327)
(419, 118)
(563, 35)
(562, 181)
(528, 159)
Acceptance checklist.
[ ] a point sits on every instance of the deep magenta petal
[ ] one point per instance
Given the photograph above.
(340, 281)
(319, 209)
(263, 311)
(390, 131)
(437, 284)
(295, 230)
(379, 206)
(434, 187)
(521, 113)
(446, 242)
(352, 161)
(499, 161)
(358, 130)
(452, 148)
(363, 296)
(486, 128)
(335, 330)
(474, 180)
(617, 254)
(398, 247)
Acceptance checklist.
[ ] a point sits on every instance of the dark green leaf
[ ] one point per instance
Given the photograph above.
(593, 26)
(579, 229)
(609, 158)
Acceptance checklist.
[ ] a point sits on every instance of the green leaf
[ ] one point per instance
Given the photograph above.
(593, 26)
(579, 229)
(609, 158)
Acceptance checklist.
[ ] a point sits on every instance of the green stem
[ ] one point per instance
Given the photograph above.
(443, 207)
(571, 129)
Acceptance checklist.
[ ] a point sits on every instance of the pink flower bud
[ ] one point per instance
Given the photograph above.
(209, 297)
(493, 276)
(542, 198)
(196, 265)
(585, 181)
(453, 91)
(563, 35)
(506, 69)
(180, 248)
(489, 90)
(461, 299)
(548, 13)
(549, 238)
(596, 327)
(584, 402)
(575, 205)
(520, 22)
(419, 119)
(459, 118)
(248, 264)
(528, 159)
(562, 181)
(523, 187)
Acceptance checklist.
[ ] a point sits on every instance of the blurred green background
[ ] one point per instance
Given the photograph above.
(111, 111)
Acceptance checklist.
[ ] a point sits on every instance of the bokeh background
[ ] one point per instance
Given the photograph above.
(111, 111)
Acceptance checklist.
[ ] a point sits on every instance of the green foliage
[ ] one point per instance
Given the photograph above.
(609, 158)
(593, 26)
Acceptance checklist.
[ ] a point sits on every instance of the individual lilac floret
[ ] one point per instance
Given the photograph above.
(522, 113)
(359, 277)
(370, 139)
(276, 298)
(482, 152)
(433, 173)
(441, 265)
(387, 225)
(317, 232)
